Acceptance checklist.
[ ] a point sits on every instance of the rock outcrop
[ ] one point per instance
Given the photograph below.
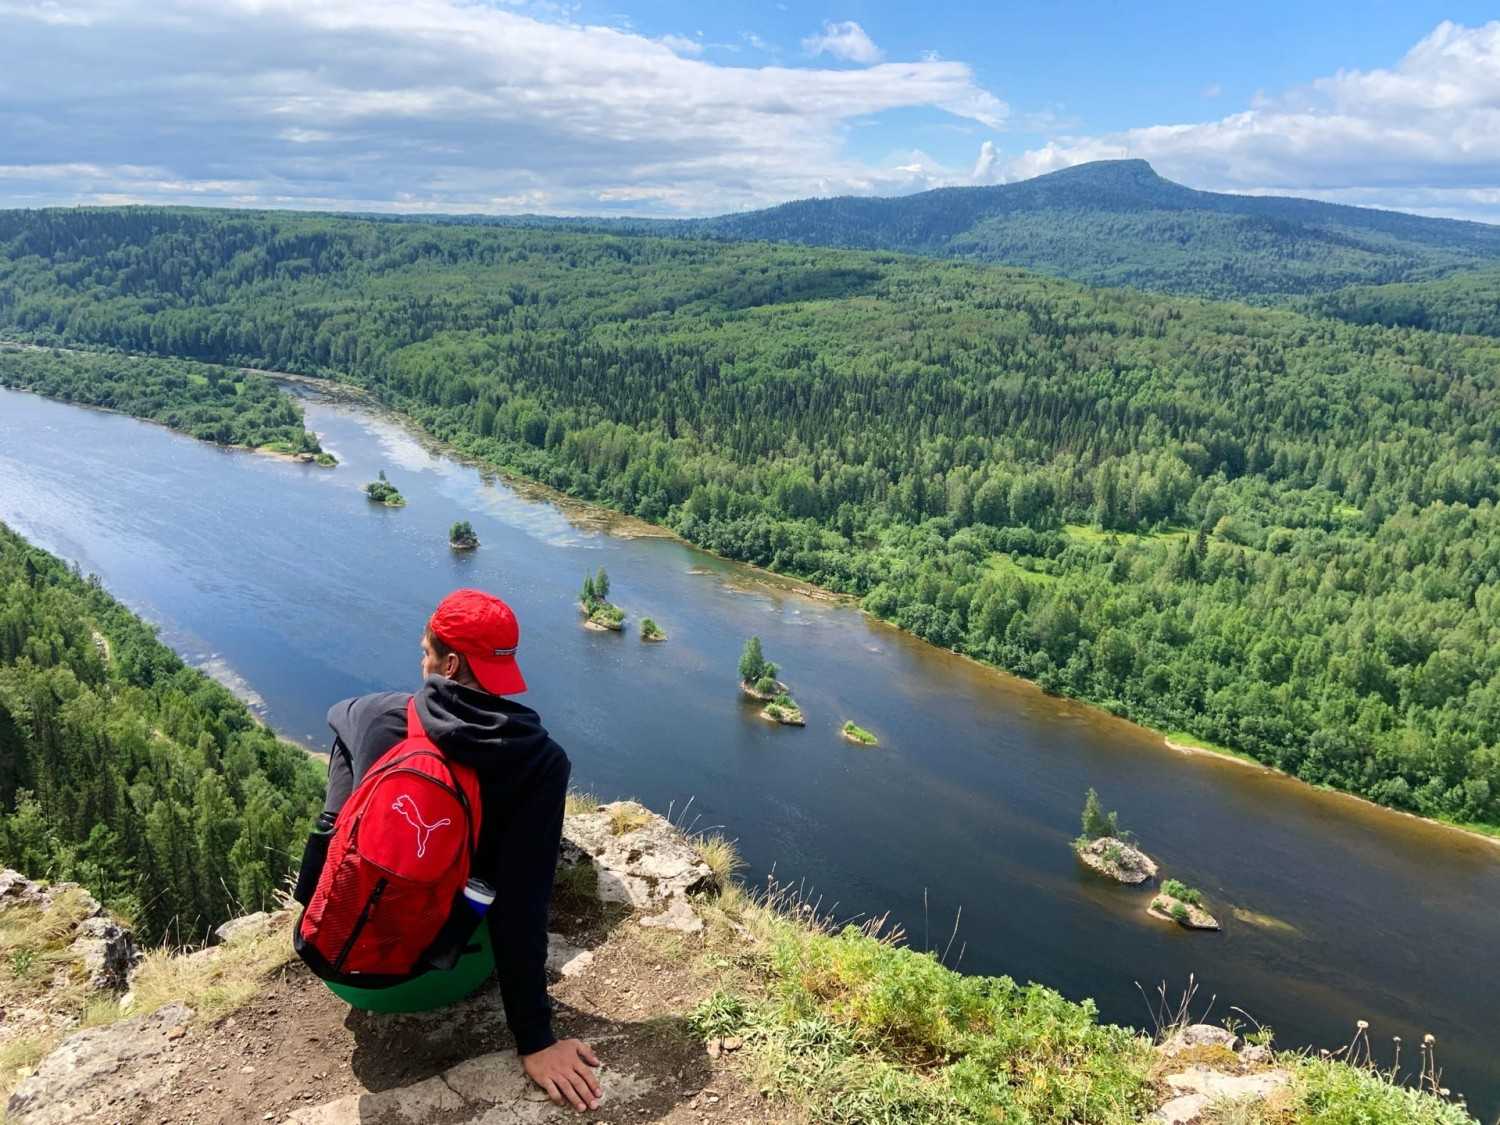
(171, 1064)
(1117, 859)
(642, 862)
(100, 1066)
(1206, 1068)
(106, 949)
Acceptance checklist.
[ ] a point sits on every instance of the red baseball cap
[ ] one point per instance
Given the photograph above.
(484, 630)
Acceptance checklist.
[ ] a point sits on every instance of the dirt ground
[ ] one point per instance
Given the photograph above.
(296, 1044)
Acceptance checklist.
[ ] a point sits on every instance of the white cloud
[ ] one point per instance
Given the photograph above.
(984, 167)
(1423, 135)
(1212, 90)
(682, 44)
(846, 40)
(429, 105)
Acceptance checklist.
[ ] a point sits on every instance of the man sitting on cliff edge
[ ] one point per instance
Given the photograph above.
(468, 670)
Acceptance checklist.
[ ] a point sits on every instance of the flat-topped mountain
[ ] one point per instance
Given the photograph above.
(1109, 222)
(1116, 222)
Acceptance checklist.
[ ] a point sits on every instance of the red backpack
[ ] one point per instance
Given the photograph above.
(397, 862)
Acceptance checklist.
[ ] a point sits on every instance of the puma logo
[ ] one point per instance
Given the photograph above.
(408, 808)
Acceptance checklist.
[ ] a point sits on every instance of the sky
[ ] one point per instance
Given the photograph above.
(669, 108)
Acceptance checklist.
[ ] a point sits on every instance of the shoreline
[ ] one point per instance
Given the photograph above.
(594, 515)
(294, 458)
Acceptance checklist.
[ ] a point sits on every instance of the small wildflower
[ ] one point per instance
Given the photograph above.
(1362, 1024)
(1429, 1038)
(1444, 1091)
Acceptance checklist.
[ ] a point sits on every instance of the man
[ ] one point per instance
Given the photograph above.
(468, 669)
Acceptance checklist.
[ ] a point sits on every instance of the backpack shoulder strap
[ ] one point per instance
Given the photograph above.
(415, 732)
(414, 724)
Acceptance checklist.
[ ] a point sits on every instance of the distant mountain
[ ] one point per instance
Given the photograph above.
(1111, 222)
(1116, 222)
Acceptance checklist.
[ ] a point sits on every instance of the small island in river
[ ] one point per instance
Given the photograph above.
(1104, 847)
(1177, 902)
(461, 536)
(651, 631)
(382, 491)
(600, 614)
(758, 681)
(857, 734)
(784, 710)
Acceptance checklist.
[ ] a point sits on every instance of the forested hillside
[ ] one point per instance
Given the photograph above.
(126, 771)
(1111, 222)
(211, 404)
(1275, 532)
(1466, 302)
(1116, 222)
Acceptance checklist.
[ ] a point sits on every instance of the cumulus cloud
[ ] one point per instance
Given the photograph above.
(846, 40)
(428, 104)
(1423, 135)
(984, 168)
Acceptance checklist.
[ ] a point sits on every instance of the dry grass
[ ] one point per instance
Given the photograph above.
(580, 804)
(627, 816)
(213, 982)
(721, 855)
(18, 1056)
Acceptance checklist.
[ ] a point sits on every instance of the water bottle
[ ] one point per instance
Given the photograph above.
(479, 895)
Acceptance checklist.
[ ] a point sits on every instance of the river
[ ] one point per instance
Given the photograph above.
(285, 582)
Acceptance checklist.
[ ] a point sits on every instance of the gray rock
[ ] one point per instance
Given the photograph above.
(1198, 1035)
(1117, 859)
(101, 1066)
(1199, 1087)
(1257, 1053)
(16, 889)
(488, 1090)
(651, 869)
(244, 926)
(108, 952)
(566, 959)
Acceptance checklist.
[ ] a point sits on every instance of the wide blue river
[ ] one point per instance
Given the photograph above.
(285, 582)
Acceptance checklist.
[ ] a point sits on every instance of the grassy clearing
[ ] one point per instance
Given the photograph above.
(1003, 566)
(1086, 533)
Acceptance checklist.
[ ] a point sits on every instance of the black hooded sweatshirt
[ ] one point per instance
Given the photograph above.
(523, 783)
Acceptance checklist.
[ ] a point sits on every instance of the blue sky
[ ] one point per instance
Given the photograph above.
(674, 108)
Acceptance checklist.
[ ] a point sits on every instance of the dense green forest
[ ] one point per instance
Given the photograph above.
(1275, 532)
(1466, 302)
(127, 771)
(208, 402)
(1115, 222)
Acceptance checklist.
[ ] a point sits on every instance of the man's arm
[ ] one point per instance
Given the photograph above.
(525, 868)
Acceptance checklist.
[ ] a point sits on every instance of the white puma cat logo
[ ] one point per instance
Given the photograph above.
(408, 808)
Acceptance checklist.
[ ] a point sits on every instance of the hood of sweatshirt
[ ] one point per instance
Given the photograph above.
(494, 735)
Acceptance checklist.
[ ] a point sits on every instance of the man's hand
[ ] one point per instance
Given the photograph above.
(565, 1071)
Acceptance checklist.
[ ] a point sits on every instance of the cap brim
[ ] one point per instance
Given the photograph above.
(498, 675)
